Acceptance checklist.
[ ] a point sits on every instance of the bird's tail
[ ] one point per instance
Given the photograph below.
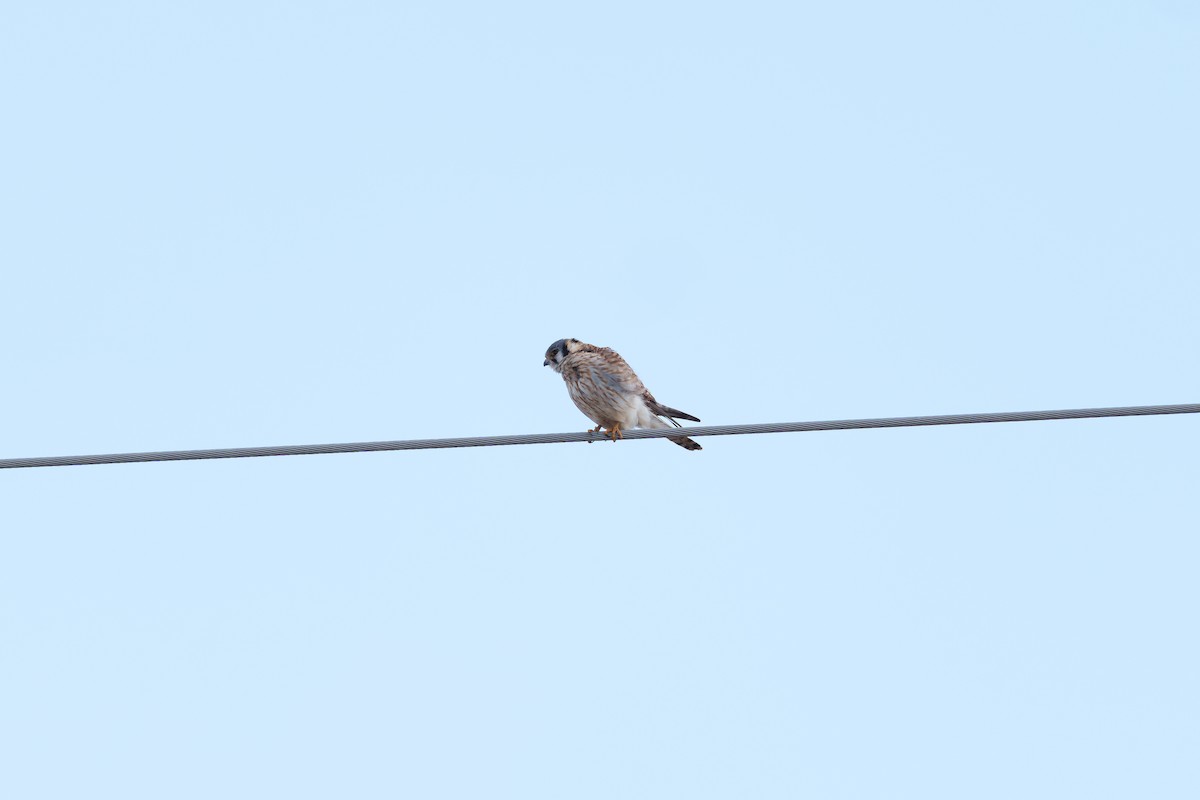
(686, 443)
(682, 441)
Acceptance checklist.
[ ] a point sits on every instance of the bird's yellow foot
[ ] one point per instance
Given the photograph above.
(614, 432)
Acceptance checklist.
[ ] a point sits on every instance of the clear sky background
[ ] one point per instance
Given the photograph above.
(258, 223)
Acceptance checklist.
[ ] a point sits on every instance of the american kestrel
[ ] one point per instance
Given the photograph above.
(608, 392)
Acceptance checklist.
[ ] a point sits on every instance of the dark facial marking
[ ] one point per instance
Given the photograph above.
(559, 346)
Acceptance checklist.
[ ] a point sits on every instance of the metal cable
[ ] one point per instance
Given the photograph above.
(550, 438)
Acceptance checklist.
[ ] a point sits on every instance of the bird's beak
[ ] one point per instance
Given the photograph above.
(546, 363)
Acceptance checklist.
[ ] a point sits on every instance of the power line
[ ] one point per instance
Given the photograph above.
(551, 438)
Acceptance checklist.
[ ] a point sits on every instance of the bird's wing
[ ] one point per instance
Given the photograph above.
(666, 411)
(609, 371)
(600, 383)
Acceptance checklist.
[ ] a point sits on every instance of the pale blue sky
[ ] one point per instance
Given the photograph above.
(235, 224)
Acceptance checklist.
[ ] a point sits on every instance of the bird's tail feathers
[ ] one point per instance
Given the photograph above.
(682, 441)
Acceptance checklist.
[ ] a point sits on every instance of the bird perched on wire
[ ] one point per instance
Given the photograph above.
(609, 392)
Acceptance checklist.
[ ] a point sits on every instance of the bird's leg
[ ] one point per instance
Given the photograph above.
(614, 432)
(593, 430)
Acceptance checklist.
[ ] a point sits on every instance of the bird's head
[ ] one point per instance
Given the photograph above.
(558, 351)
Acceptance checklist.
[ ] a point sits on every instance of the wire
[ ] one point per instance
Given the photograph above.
(551, 438)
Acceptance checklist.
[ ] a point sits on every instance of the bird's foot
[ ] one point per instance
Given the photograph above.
(593, 430)
(614, 432)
